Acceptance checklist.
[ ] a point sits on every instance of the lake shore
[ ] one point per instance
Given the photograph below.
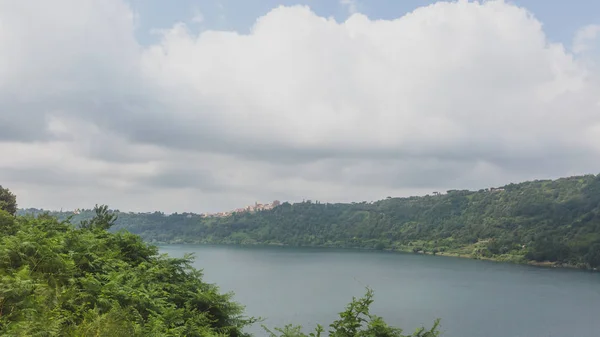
(507, 258)
(515, 260)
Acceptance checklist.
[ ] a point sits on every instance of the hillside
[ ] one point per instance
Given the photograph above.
(543, 221)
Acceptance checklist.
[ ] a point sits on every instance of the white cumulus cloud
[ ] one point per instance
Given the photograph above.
(350, 5)
(451, 95)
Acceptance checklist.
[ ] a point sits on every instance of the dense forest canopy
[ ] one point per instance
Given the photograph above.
(59, 279)
(556, 221)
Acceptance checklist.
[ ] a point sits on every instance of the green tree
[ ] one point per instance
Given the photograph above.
(60, 280)
(8, 201)
(592, 258)
(356, 321)
(7, 223)
(103, 219)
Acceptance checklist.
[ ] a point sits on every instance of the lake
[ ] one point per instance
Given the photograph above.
(473, 298)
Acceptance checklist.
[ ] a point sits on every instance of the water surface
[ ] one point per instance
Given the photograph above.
(473, 298)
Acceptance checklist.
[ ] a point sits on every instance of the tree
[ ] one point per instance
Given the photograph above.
(592, 258)
(7, 223)
(356, 321)
(104, 219)
(8, 201)
(59, 280)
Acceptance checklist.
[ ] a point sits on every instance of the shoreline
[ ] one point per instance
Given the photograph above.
(516, 260)
(542, 264)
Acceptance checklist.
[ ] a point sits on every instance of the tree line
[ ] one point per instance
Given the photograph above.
(554, 221)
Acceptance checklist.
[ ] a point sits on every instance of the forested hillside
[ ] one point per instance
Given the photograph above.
(556, 221)
(57, 279)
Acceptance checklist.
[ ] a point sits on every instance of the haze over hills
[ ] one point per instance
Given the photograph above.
(544, 221)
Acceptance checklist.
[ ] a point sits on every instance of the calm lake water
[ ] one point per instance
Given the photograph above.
(473, 298)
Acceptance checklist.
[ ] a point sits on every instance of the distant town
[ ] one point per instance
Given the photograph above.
(250, 209)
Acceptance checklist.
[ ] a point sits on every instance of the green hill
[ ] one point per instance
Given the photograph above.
(544, 221)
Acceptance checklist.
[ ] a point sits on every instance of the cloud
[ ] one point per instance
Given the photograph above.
(198, 16)
(451, 95)
(350, 5)
(585, 38)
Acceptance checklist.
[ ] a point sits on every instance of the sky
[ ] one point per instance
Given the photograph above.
(210, 105)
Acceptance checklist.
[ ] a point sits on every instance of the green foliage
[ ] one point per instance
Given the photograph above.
(8, 201)
(103, 219)
(7, 223)
(355, 321)
(556, 221)
(59, 280)
(592, 257)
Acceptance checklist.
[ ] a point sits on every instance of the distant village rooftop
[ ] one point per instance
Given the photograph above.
(250, 209)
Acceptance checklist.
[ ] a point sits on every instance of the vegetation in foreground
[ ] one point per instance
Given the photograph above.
(553, 222)
(57, 279)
